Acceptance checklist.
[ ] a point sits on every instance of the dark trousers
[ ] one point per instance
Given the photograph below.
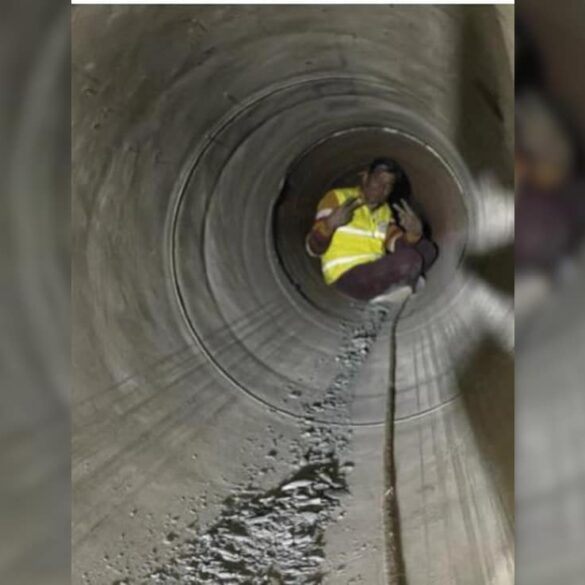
(403, 266)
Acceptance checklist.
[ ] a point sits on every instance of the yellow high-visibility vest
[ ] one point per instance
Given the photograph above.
(360, 241)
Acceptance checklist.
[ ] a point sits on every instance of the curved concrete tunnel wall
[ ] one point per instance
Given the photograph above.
(197, 314)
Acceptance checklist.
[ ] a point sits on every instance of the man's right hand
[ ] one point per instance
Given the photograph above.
(343, 214)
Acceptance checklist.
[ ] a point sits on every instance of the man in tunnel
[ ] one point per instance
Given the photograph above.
(550, 169)
(365, 251)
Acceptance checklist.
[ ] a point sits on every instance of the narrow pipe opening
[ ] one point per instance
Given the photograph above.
(336, 161)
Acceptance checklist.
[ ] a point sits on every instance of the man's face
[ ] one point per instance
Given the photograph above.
(377, 186)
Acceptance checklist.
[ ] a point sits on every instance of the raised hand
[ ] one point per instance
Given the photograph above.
(408, 219)
(343, 214)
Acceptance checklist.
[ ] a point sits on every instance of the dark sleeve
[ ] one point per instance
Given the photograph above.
(425, 247)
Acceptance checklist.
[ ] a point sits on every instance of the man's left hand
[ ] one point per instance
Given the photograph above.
(409, 220)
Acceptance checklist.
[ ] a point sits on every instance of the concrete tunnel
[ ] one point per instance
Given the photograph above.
(209, 357)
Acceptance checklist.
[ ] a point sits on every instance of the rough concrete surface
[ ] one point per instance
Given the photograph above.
(213, 369)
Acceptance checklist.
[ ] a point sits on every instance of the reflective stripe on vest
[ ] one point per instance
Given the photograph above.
(348, 259)
(359, 241)
(360, 232)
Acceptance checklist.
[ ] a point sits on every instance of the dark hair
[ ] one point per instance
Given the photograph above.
(529, 66)
(387, 164)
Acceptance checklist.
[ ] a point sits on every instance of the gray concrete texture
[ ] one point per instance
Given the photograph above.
(34, 306)
(209, 356)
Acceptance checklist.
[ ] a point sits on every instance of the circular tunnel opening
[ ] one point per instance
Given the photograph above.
(251, 188)
(249, 294)
(336, 161)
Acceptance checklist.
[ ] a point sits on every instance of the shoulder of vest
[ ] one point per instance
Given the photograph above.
(329, 200)
(388, 210)
(346, 192)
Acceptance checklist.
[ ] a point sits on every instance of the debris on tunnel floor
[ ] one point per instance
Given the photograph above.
(269, 538)
(277, 536)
